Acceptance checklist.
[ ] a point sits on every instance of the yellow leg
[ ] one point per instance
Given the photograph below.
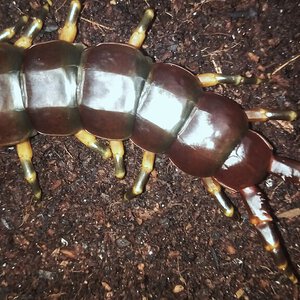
(139, 34)
(91, 142)
(25, 41)
(8, 33)
(25, 155)
(212, 79)
(69, 31)
(142, 179)
(117, 149)
(263, 115)
(214, 188)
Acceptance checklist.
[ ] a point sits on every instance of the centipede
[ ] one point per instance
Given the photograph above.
(113, 92)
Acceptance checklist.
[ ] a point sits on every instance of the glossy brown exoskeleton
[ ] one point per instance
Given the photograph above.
(113, 91)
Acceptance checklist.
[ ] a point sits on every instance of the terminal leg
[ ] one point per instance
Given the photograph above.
(260, 217)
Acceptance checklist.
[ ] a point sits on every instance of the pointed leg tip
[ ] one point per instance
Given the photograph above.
(119, 167)
(38, 195)
(259, 80)
(150, 13)
(293, 115)
(37, 192)
(230, 212)
(120, 174)
(293, 278)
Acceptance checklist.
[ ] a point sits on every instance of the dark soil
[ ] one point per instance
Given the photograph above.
(82, 241)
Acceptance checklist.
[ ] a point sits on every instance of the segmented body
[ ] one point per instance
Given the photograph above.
(115, 92)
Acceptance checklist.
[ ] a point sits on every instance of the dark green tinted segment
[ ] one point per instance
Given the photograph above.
(15, 126)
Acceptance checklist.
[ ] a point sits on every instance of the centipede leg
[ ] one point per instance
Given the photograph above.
(24, 151)
(212, 79)
(139, 34)
(142, 178)
(25, 41)
(260, 217)
(263, 115)
(286, 168)
(117, 149)
(91, 142)
(215, 189)
(9, 32)
(69, 30)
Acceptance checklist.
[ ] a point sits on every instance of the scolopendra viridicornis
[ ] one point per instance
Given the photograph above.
(140, 142)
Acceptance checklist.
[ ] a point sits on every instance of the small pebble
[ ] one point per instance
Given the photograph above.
(230, 250)
(122, 243)
(141, 267)
(106, 286)
(68, 253)
(178, 288)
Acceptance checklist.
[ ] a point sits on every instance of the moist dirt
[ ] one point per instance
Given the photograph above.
(83, 241)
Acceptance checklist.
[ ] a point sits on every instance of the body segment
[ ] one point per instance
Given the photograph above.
(164, 106)
(14, 121)
(214, 128)
(49, 77)
(112, 77)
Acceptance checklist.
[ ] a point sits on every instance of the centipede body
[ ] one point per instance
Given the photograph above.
(157, 193)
